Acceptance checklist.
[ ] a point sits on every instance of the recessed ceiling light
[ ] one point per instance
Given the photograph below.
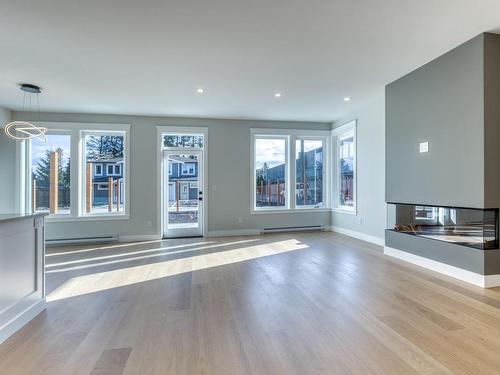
(200, 90)
(347, 99)
(277, 95)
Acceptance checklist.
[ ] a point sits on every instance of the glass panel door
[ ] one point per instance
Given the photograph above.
(182, 193)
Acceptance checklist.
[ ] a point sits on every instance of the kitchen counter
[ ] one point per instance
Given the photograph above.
(22, 270)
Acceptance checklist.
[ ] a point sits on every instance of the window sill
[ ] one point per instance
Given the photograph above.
(290, 210)
(69, 219)
(346, 211)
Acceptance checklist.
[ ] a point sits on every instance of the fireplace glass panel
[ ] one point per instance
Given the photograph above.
(471, 227)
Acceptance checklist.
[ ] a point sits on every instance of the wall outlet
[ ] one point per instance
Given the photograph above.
(424, 147)
(240, 220)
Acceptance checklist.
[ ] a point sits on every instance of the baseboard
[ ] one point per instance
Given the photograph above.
(236, 232)
(360, 236)
(483, 281)
(21, 320)
(138, 237)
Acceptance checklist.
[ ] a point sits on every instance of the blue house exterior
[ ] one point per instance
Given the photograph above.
(102, 170)
(182, 178)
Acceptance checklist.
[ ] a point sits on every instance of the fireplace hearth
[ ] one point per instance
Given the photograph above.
(472, 227)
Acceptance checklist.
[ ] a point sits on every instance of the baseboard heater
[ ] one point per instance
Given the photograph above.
(295, 229)
(81, 240)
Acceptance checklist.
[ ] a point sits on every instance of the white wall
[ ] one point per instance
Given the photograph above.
(229, 168)
(370, 220)
(7, 166)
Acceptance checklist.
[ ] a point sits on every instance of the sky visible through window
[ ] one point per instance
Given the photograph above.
(270, 151)
(39, 149)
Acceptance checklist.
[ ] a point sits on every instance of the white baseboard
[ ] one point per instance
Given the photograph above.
(138, 237)
(484, 281)
(20, 320)
(360, 236)
(231, 233)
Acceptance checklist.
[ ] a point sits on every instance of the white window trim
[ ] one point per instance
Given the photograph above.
(113, 169)
(291, 135)
(162, 130)
(95, 169)
(336, 133)
(76, 130)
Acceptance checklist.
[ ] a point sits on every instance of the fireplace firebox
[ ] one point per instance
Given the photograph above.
(472, 227)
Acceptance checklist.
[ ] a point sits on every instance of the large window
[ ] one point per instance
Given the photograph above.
(104, 193)
(93, 155)
(51, 174)
(309, 173)
(346, 167)
(282, 183)
(270, 172)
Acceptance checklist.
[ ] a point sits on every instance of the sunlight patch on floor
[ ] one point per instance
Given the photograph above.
(130, 259)
(97, 282)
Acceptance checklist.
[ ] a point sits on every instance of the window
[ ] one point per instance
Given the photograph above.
(82, 150)
(114, 170)
(309, 173)
(51, 174)
(270, 172)
(183, 141)
(108, 149)
(282, 183)
(98, 170)
(346, 166)
(188, 169)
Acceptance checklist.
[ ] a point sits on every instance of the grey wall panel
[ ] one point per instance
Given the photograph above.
(455, 255)
(7, 166)
(492, 120)
(442, 103)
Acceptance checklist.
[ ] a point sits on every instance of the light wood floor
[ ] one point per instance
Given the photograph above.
(296, 303)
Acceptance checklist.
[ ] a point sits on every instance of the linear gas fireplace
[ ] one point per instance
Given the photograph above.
(470, 227)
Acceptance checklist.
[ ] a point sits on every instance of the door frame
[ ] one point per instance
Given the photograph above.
(183, 232)
(160, 204)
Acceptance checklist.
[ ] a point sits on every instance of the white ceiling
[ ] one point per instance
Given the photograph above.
(148, 57)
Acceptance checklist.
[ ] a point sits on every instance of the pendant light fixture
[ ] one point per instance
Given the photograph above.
(24, 130)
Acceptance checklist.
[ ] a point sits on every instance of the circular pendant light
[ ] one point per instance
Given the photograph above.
(24, 130)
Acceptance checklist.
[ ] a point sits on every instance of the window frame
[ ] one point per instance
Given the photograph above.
(337, 133)
(95, 169)
(186, 171)
(77, 169)
(290, 135)
(325, 174)
(105, 131)
(28, 180)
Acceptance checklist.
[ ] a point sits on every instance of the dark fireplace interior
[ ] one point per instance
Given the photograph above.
(471, 227)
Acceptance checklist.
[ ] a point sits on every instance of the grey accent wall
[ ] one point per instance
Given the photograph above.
(7, 166)
(442, 103)
(491, 120)
(370, 218)
(453, 103)
(229, 169)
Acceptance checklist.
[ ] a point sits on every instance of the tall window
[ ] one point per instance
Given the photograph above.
(270, 172)
(104, 149)
(346, 166)
(308, 173)
(51, 174)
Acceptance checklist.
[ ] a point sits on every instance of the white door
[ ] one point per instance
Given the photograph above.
(182, 193)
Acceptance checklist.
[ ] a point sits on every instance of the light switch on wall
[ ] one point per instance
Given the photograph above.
(424, 147)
